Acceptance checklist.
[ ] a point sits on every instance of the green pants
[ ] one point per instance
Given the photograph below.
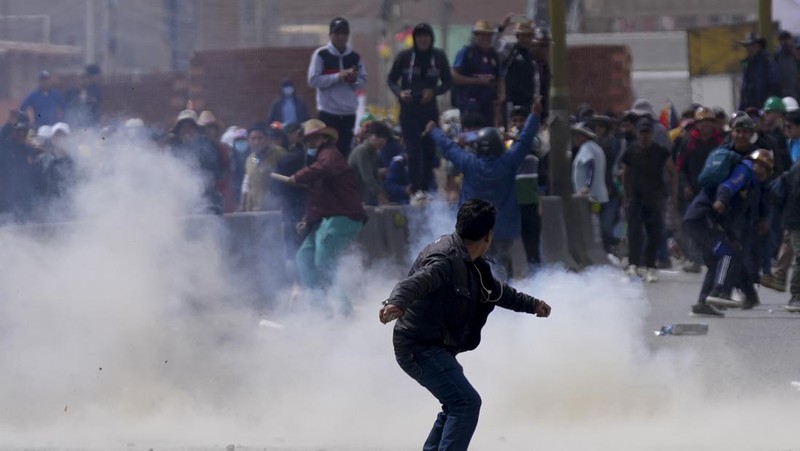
(318, 255)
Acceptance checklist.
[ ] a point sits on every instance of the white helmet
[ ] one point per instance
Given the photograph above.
(791, 104)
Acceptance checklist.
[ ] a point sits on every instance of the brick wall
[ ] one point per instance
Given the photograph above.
(155, 98)
(237, 85)
(240, 85)
(601, 77)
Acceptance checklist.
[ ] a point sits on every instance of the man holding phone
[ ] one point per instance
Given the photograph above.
(337, 73)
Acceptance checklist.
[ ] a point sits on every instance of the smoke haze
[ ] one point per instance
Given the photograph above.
(127, 327)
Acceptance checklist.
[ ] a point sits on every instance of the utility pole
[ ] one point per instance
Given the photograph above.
(447, 10)
(260, 23)
(560, 184)
(765, 21)
(91, 33)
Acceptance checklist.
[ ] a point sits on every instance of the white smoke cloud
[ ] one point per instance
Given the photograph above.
(136, 288)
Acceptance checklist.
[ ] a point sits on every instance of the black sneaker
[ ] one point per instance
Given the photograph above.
(750, 301)
(794, 304)
(720, 299)
(706, 309)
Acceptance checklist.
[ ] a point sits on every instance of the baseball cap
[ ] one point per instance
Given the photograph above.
(745, 122)
(340, 24)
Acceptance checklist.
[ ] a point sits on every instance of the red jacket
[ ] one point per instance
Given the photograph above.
(333, 187)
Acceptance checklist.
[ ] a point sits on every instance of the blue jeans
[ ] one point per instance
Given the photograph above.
(318, 255)
(438, 371)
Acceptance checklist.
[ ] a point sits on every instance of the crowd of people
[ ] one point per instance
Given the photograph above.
(718, 190)
(646, 182)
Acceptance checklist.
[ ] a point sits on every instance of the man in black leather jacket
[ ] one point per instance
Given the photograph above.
(440, 309)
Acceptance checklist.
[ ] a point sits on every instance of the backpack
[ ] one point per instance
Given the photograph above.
(718, 167)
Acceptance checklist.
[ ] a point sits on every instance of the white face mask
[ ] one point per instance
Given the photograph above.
(288, 90)
(312, 152)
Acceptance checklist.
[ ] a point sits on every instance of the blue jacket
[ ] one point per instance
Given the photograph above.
(396, 181)
(740, 192)
(492, 178)
(759, 81)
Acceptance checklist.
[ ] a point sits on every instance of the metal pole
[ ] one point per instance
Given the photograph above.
(447, 9)
(260, 23)
(91, 36)
(106, 33)
(560, 183)
(765, 21)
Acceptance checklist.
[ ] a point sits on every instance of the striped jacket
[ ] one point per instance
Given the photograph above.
(333, 95)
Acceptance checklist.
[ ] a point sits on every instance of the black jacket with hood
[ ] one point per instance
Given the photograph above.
(447, 298)
(417, 70)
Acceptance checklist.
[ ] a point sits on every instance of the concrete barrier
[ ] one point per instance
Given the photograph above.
(555, 247)
(583, 231)
(385, 235)
(256, 250)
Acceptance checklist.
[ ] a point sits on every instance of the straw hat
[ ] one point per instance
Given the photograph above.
(206, 118)
(315, 126)
(185, 116)
(583, 129)
(524, 27)
(704, 114)
(483, 27)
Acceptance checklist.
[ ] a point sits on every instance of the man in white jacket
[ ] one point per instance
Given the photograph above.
(337, 73)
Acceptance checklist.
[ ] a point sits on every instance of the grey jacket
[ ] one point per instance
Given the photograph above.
(333, 95)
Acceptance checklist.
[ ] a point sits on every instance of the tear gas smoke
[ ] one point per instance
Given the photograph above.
(126, 326)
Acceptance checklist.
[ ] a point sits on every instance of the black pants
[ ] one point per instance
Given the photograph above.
(531, 233)
(344, 124)
(723, 259)
(644, 218)
(421, 150)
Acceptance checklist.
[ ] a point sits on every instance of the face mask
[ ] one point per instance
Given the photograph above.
(240, 146)
(312, 152)
(288, 90)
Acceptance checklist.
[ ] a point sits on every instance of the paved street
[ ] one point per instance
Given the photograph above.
(764, 339)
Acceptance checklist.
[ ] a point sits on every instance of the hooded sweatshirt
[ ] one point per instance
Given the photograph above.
(417, 70)
(335, 96)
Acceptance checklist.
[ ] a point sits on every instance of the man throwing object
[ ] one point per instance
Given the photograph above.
(440, 309)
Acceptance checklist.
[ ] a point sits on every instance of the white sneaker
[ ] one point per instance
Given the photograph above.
(650, 275)
(631, 271)
(420, 198)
